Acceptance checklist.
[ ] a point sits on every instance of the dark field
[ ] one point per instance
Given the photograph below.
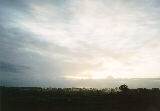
(75, 99)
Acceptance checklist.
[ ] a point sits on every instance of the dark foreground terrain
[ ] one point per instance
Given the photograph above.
(75, 99)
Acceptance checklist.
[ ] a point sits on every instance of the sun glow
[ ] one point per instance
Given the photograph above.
(84, 77)
(88, 75)
(101, 75)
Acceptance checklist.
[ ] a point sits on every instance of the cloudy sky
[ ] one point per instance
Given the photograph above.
(54, 40)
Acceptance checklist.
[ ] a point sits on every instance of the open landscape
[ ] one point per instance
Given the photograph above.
(80, 99)
(79, 55)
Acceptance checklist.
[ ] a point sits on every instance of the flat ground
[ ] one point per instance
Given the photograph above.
(36, 99)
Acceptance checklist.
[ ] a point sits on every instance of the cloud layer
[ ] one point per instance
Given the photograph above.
(79, 38)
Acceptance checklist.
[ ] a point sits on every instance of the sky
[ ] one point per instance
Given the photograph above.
(65, 42)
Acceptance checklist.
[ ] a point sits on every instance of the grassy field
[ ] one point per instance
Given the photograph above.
(76, 99)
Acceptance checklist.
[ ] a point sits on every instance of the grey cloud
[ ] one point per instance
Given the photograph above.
(8, 67)
(13, 41)
(11, 10)
(15, 4)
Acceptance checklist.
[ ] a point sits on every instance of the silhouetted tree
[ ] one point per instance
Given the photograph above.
(123, 88)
